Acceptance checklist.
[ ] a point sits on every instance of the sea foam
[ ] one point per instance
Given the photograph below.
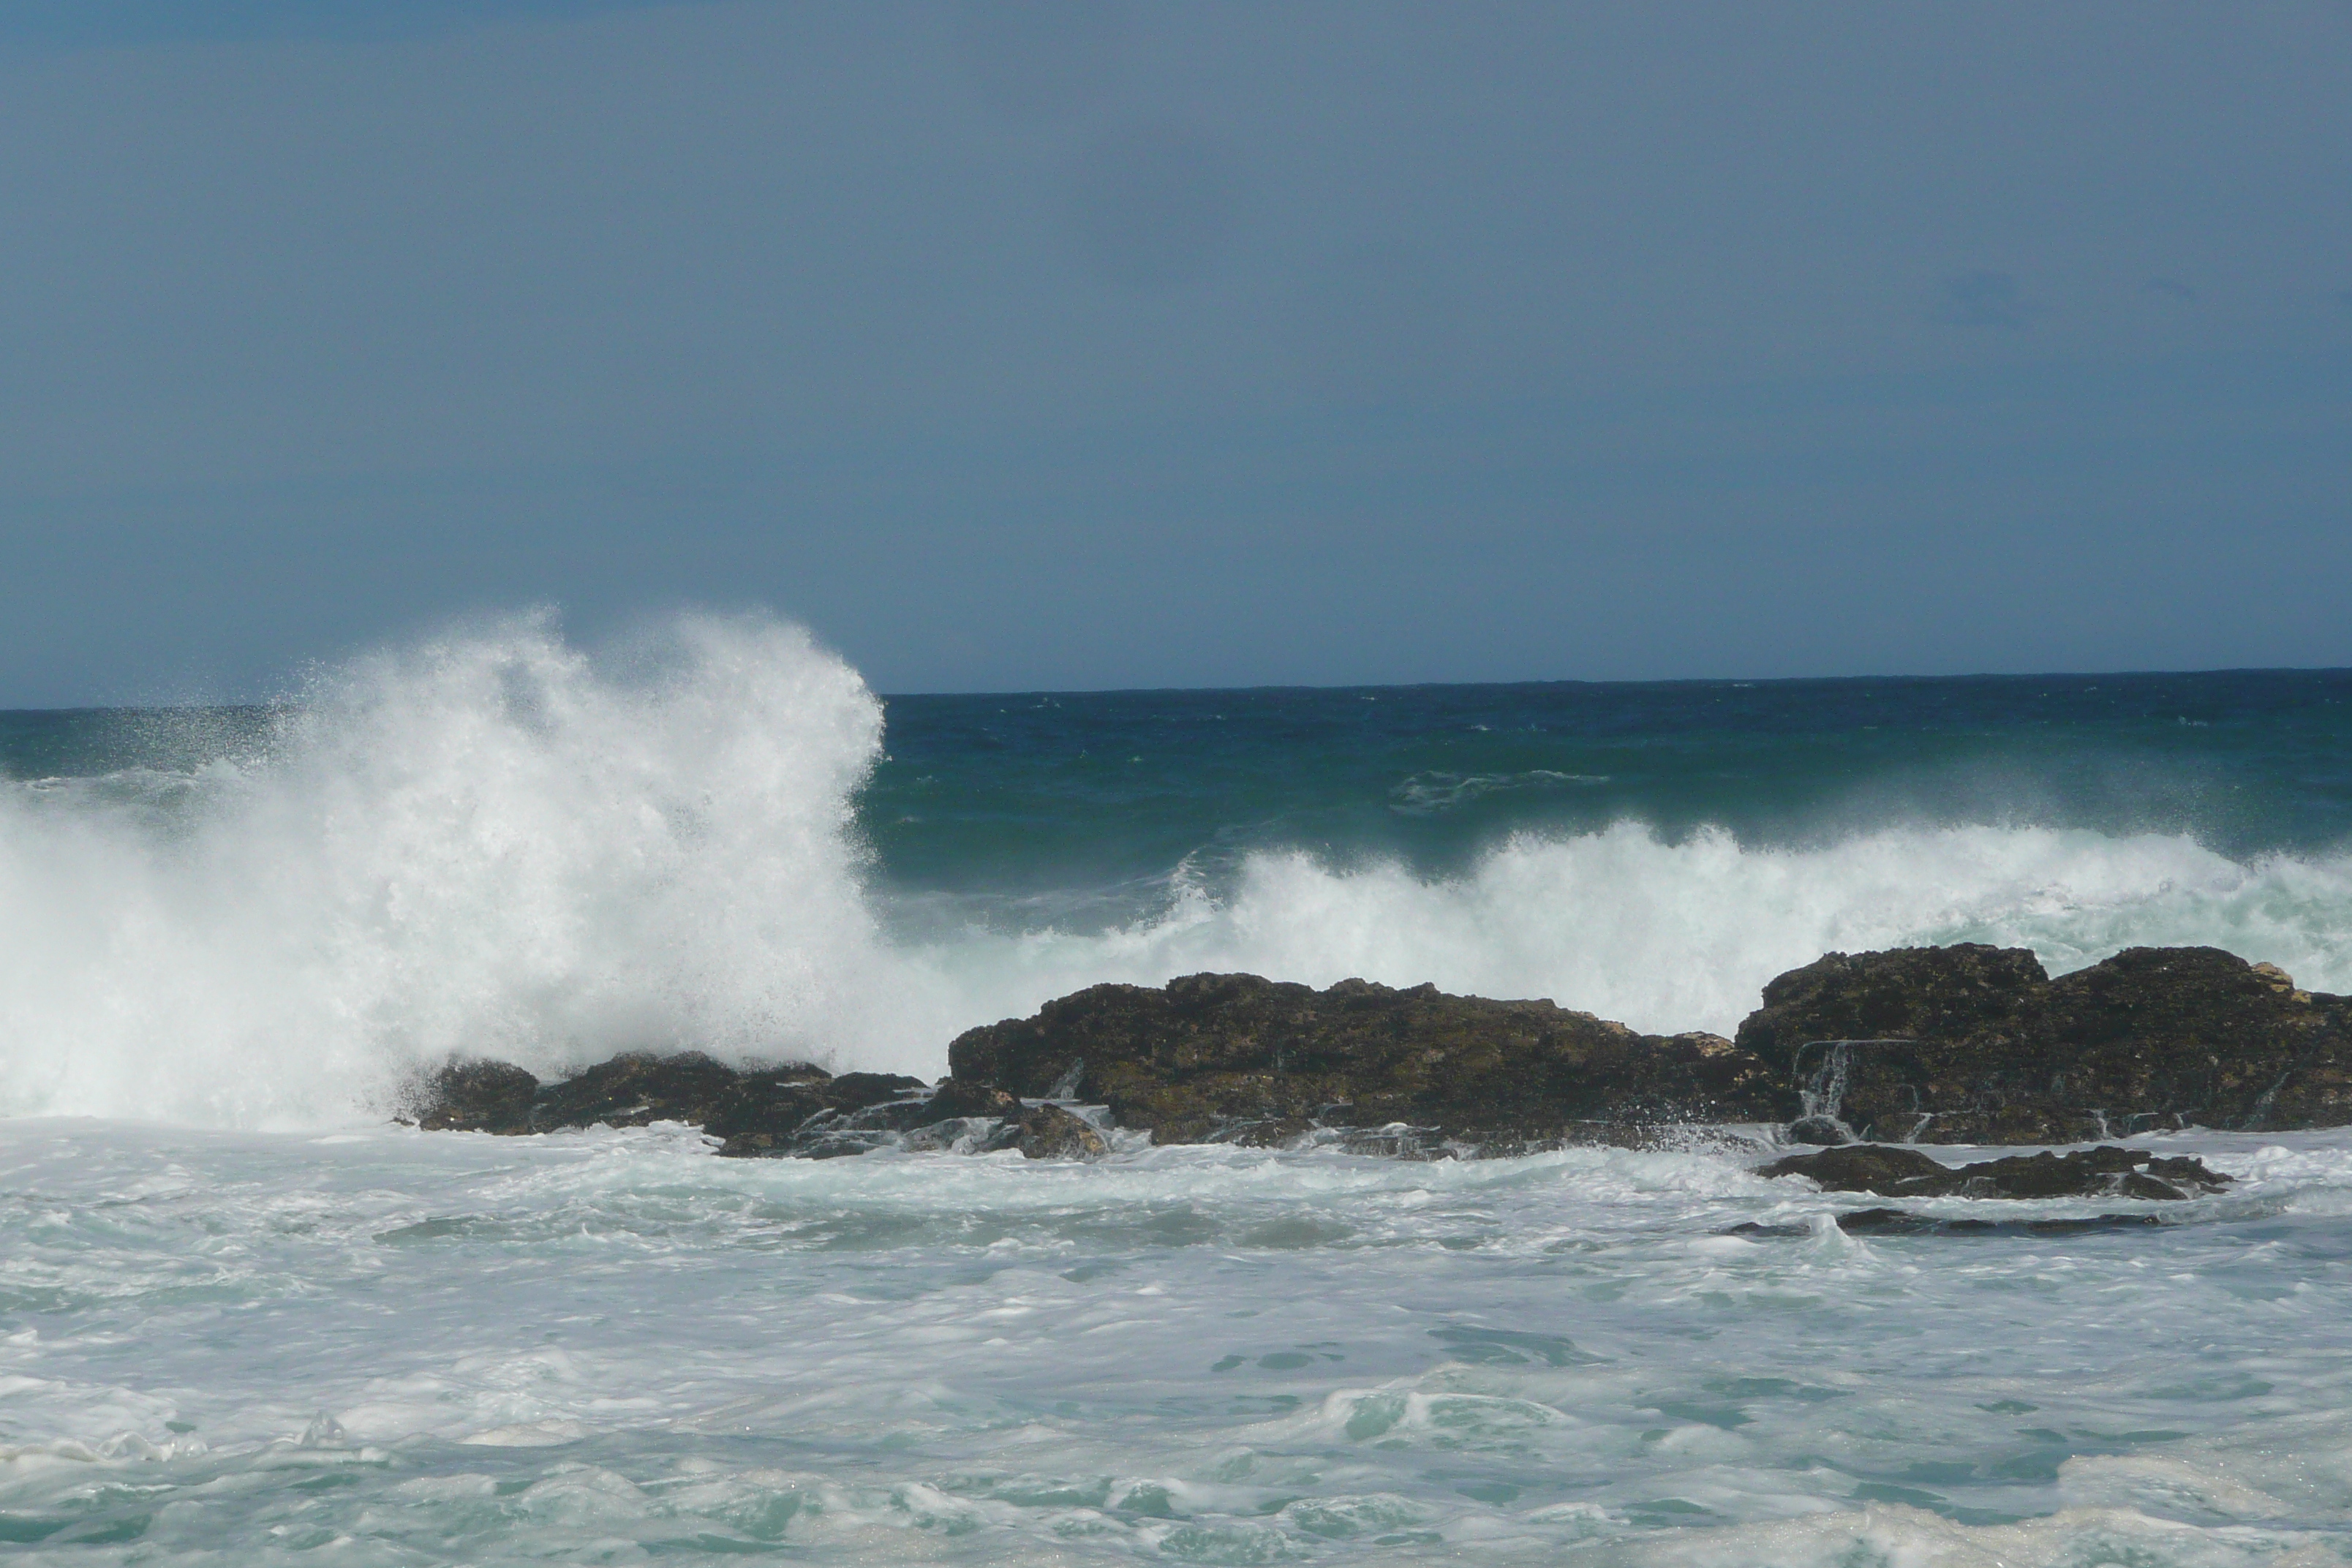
(490, 842)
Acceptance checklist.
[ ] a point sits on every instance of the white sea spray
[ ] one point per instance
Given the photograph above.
(1669, 936)
(478, 843)
(489, 842)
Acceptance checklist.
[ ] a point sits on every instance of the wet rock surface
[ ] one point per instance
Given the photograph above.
(476, 1096)
(1972, 1044)
(799, 1110)
(1050, 1132)
(1962, 1043)
(2104, 1172)
(1901, 1222)
(1235, 1057)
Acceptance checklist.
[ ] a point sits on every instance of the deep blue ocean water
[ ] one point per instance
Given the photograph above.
(1053, 790)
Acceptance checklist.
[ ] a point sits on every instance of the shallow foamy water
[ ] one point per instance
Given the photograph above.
(384, 1346)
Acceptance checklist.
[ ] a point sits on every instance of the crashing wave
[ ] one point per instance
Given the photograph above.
(490, 843)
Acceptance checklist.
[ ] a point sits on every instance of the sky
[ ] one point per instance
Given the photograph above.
(1042, 344)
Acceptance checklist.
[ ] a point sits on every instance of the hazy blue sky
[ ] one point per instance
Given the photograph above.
(1039, 345)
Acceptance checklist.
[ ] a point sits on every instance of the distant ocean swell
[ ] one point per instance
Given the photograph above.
(489, 842)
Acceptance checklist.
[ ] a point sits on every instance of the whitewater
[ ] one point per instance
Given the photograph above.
(493, 843)
(244, 1318)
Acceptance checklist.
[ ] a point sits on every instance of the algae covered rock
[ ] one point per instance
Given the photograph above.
(955, 1097)
(1230, 1055)
(1051, 1132)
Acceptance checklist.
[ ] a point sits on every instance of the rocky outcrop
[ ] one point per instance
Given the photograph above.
(800, 1110)
(1963, 1044)
(1235, 1057)
(2104, 1172)
(1975, 1044)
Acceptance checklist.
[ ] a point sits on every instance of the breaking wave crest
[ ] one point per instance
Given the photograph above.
(490, 842)
(483, 842)
(1672, 936)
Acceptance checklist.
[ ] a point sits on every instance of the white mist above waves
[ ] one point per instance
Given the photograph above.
(489, 843)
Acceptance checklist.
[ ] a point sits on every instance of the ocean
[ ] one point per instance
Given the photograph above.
(244, 1318)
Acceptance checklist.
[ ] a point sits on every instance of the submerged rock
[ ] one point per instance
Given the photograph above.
(2104, 1172)
(1975, 1044)
(1865, 1222)
(1211, 1056)
(1902, 1222)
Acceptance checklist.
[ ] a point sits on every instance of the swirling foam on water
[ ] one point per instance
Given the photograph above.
(410, 1347)
(489, 842)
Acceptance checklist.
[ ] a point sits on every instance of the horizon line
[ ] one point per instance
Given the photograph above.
(1280, 687)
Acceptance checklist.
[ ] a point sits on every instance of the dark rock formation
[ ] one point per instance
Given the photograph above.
(818, 1117)
(962, 1097)
(801, 1112)
(1235, 1056)
(2089, 1173)
(476, 1097)
(1975, 1044)
(765, 1108)
(2104, 1172)
(1864, 1168)
(787, 1110)
(1050, 1132)
(1960, 1044)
